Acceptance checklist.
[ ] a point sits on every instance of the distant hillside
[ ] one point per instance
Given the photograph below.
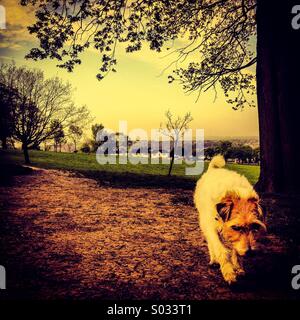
(237, 141)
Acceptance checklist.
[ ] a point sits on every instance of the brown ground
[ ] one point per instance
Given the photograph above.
(65, 236)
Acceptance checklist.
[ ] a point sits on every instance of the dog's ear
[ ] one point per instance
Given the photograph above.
(260, 208)
(224, 208)
(263, 211)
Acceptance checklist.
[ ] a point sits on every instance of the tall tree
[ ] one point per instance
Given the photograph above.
(59, 134)
(97, 127)
(40, 101)
(221, 43)
(278, 70)
(75, 133)
(174, 128)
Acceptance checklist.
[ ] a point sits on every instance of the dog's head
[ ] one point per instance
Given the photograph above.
(243, 222)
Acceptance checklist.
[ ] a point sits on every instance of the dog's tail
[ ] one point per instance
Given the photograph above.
(217, 162)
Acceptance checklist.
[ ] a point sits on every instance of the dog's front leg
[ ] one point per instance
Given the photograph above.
(221, 255)
(236, 263)
(227, 267)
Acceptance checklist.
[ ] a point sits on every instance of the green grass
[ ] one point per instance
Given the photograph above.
(86, 163)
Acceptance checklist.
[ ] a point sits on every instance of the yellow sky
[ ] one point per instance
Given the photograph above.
(137, 92)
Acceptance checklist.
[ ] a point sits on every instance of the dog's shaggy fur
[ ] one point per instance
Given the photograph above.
(231, 218)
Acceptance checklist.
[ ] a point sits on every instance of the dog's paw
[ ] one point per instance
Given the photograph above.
(229, 274)
(230, 277)
(240, 271)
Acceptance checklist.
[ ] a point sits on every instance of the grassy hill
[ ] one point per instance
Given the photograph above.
(86, 164)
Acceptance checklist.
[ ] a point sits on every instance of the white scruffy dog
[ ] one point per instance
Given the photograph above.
(231, 218)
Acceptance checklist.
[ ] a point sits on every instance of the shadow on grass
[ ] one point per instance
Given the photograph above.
(10, 167)
(134, 180)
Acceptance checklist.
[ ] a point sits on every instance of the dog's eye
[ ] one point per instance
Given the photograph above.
(254, 227)
(237, 228)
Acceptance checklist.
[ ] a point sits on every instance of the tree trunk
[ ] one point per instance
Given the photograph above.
(171, 166)
(278, 72)
(4, 143)
(26, 154)
(172, 154)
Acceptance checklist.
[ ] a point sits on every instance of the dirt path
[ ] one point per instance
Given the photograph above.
(68, 237)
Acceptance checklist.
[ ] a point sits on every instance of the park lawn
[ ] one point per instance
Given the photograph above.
(87, 163)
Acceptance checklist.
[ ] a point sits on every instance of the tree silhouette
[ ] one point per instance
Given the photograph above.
(39, 102)
(241, 153)
(219, 30)
(97, 127)
(59, 134)
(75, 133)
(224, 147)
(174, 129)
(7, 100)
(219, 35)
